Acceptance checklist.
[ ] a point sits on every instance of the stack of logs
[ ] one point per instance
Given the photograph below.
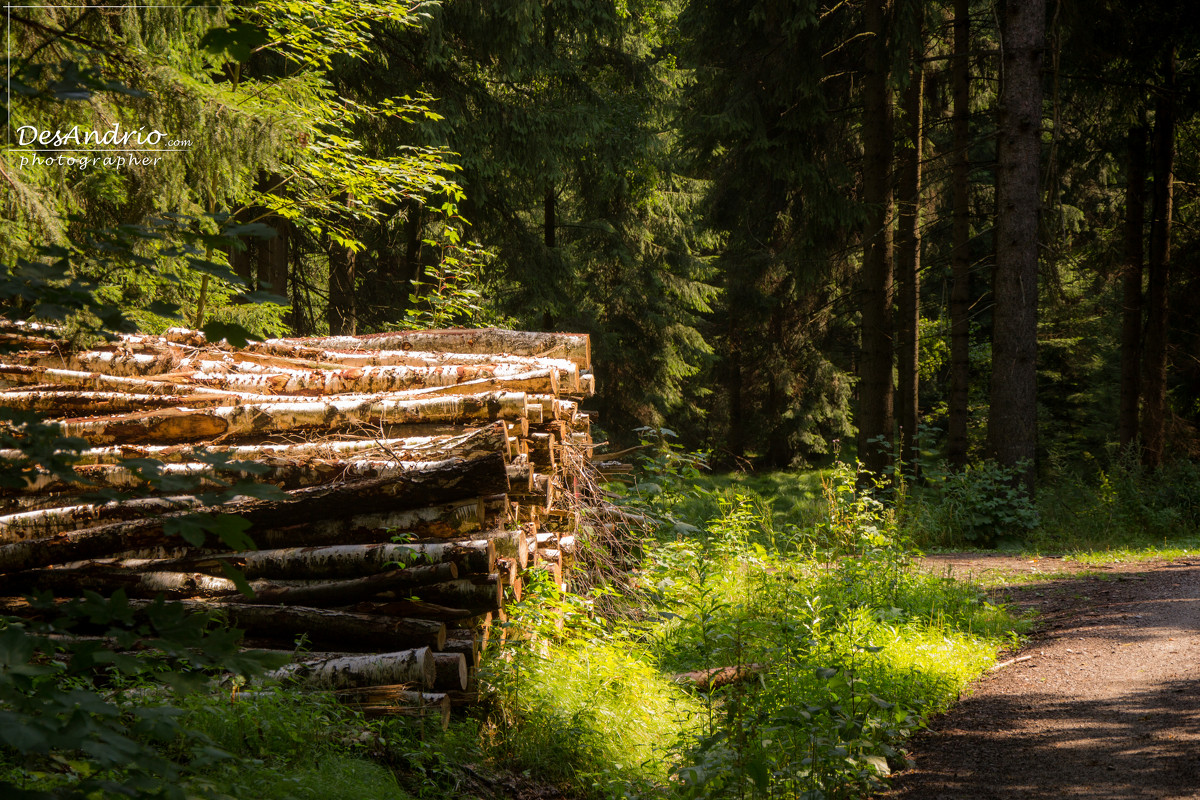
(422, 475)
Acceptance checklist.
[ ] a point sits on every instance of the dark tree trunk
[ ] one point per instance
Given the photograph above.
(736, 436)
(1012, 415)
(1154, 402)
(413, 267)
(908, 261)
(341, 313)
(549, 222)
(1131, 303)
(239, 261)
(960, 293)
(875, 421)
(273, 258)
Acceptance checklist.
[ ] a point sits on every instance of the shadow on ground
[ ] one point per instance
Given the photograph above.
(1105, 702)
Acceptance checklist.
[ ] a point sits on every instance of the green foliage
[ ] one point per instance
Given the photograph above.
(65, 728)
(587, 711)
(761, 123)
(975, 506)
(260, 134)
(295, 746)
(857, 647)
(559, 119)
(450, 295)
(1116, 502)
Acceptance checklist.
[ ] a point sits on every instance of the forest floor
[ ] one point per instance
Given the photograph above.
(1103, 701)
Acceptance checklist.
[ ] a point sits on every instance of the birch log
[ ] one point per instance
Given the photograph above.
(382, 701)
(279, 352)
(453, 379)
(261, 419)
(413, 667)
(353, 590)
(338, 561)
(441, 443)
(481, 476)
(450, 671)
(86, 403)
(574, 347)
(448, 521)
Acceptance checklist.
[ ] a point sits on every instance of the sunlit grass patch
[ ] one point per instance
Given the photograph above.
(926, 667)
(589, 707)
(1136, 553)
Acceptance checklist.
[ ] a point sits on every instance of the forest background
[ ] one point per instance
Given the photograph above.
(783, 223)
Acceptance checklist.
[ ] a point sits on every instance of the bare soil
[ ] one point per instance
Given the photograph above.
(1103, 701)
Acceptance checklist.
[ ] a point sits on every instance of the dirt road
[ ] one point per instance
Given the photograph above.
(1104, 701)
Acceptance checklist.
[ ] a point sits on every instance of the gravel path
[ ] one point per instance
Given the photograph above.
(1103, 702)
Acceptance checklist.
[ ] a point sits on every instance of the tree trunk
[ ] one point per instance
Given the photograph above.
(135, 362)
(1131, 304)
(448, 521)
(454, 442)
(341, 312)
(706, 680)
(22, 374)
(336, 561)
(456, 379)
(479, 592)
(451, 669)
(875, 393)
(273, 259)
(1154, 403)
(414, 667)
(326, 627)
(960, 293)
(239, 260)
(108, 577)
(300, 356)
(463, 642)
(49, 521)
(353, 590)
(908, 260)
(92, 404)
(417, 608)
(413, 265)
(1012, 417)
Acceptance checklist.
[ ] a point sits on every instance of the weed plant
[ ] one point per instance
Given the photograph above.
(842, 648)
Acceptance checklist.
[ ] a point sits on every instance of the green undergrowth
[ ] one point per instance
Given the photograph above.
(292, 746)
(1098, 509)
(840, 647)
(268, 746)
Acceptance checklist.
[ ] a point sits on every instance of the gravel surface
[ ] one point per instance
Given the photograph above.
(1103, 702)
